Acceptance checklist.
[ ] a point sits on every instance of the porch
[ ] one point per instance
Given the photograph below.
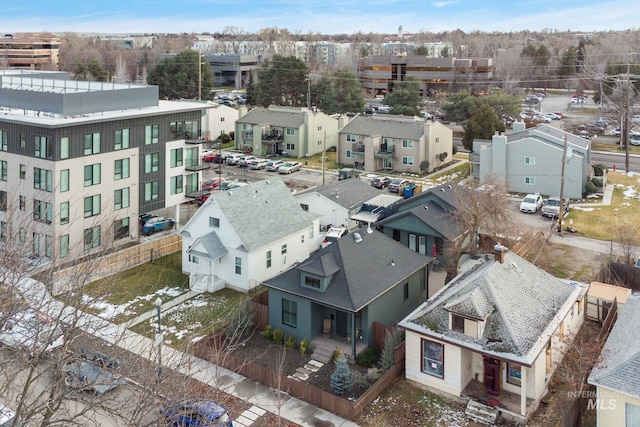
(507, 402)
(324, 347)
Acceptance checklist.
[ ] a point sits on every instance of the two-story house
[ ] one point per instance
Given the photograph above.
(530, 160)
(291, 131)
(394, 143)
(245, 235)
(498, 329)
(79, 161)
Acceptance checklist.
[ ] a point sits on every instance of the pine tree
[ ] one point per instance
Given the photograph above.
(341, 380)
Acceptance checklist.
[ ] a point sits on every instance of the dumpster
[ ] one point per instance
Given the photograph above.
(409, 190)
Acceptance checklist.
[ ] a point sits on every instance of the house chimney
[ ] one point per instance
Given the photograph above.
(499, 252)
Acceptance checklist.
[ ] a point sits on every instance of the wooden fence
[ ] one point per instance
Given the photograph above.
(63, 280)
(620, 274)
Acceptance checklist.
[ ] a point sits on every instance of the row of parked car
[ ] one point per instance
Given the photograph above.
(532, 203)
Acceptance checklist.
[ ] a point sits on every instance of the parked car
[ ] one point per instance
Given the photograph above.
(541, 118)
(616, 132)
(289, 167)
(273, 165)
(397, 184)
(551, 207)
(209, 157)
(257, 164)
(206, 152)
(381, 182)
(212, 183)
(143, 218)
(635, 118)
(195, 413)
(233, 158)
(635, 140)
(346, 173)
(8, 417)
(91, 375)
(159, 223)
(32, 332)
(244, 160)
(219, 157)
(553, 116)
(531, 203)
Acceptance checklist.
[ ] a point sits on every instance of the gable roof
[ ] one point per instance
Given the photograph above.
(208, 246)
(433, 216)
(265, 116)
(522, 304)
(362, 271)
(619, 367)
(386, 126)
(552, 135)
(260, 213)
(348, 193)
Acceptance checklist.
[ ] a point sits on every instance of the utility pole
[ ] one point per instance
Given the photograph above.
(309, 92)
(561, 207)
(199, 75)
(324, 154)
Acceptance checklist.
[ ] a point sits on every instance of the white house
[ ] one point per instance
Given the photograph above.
(497, 329)
(617, 374)
(240, 237)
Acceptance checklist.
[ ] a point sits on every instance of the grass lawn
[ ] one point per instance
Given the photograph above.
(619, 220)
(193, 319)
(130, 293)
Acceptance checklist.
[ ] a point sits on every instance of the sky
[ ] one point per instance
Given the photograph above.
(315, 16)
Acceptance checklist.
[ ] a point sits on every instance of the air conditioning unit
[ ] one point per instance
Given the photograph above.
(359, 136)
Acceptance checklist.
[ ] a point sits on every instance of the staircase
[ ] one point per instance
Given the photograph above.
(322, 353)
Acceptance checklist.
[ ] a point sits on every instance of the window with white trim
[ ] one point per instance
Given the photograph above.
(214, 222)
(433, 358)
(407, 143)
(91, 237)
(176, 185)
(529, 160)
(530, 180)
(151, 133)
(121, 198)
(407, 161)
(151, 191)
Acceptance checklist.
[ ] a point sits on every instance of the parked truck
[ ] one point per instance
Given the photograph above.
(551, 207)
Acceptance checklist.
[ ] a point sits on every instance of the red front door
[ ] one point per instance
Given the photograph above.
(492, 375)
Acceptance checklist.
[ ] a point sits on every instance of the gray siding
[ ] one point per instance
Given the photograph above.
(304, 313)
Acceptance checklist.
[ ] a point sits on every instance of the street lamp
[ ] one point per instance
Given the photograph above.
(159, 337)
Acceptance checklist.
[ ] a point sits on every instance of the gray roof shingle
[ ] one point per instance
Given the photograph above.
(351, 193)
(386, 126)
(619, 367)
(366, 270)
(264, 116)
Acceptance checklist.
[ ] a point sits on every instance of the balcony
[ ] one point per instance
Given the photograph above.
(195, 167)
(385, 151)
(357, 148)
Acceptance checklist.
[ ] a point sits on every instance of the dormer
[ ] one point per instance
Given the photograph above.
(468, 313)
(318, 273)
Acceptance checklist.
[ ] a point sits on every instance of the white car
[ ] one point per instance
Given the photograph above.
(553, 116)
(257, 164)
(531, 203)
(289, 167)
(273, 165)
(233, 158)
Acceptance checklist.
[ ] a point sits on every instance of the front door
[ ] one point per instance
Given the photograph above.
(492, 375)
(341, 323)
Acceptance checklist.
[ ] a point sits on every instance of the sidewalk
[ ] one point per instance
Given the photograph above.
(262, 397)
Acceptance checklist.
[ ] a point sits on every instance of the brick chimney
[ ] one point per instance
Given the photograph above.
(499, 252)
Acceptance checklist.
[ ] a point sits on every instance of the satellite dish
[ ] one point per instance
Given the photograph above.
(357, 237)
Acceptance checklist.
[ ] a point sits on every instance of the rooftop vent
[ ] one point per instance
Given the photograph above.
(357, 237)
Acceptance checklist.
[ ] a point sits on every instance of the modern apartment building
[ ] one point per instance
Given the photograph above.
(378, 74)
(79, 161)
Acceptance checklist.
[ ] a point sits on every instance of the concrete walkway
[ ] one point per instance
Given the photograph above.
(262, 397)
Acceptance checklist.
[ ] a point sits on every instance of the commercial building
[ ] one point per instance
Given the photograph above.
(30, 53)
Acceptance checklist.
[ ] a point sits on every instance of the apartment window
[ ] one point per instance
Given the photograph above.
(42, 147)
(91, 143)
(529, 180)
(35, 248)
(348, 154)
(351, 137)
(92, 175)
(433, 358)
(457, 323)
(289, 313)
(120, 228)
(214, 222)
(437, 139)
(3, 200)
(48, 246)
(43, 179)
(151, 162)
(23, 203)
(121, 169)
(407, 161)
(64, 180)
(121, 198)
(238, 265)
(319, 127)
(23, 171)
(291, 147)
(268, 259)
(176, 157)
(290, 131)
(176, 184)
(42, 211)
(121, 139)
(4, 145)
(64, 147)
(91, 237)
(283, 250)
(151, 134)
(406, 143)
(529, 160)
(514, 374)
(304, 207)
(64, 246)
(92, 206)
(151, 191)
(3, 170)
(64, 213)
(3, 230)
